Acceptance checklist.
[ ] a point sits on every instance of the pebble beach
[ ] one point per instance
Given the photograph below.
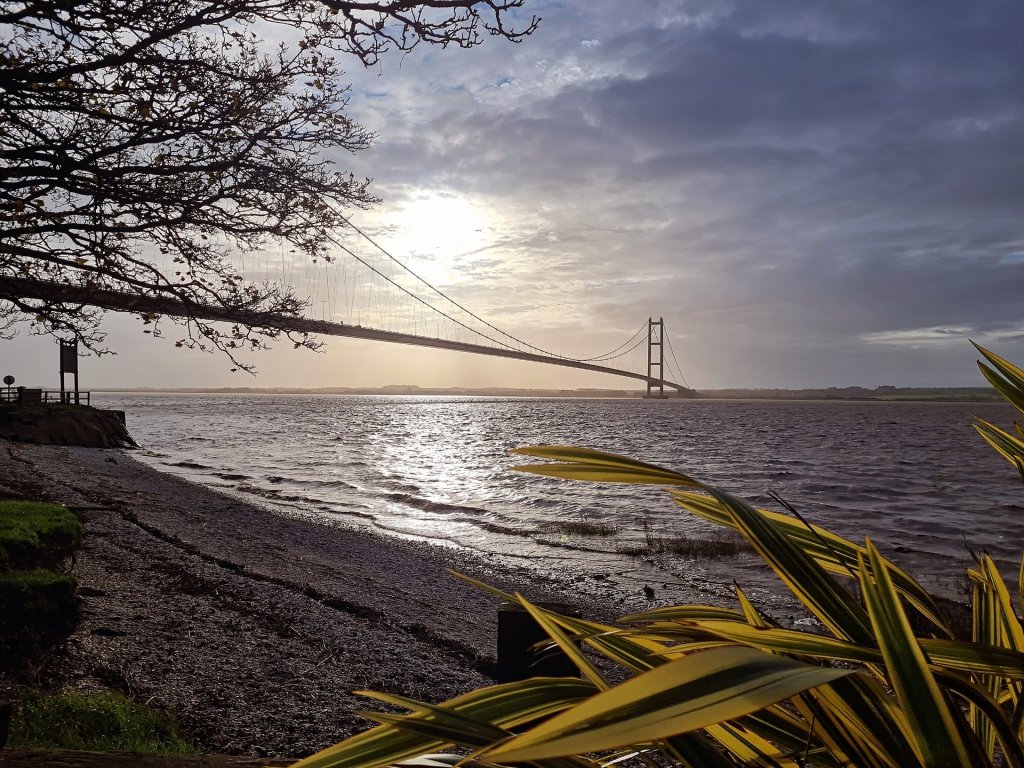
(250, 628)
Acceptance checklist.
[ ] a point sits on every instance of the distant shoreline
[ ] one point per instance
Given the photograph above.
(883, 394)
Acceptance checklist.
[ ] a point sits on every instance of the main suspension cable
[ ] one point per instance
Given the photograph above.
(476, 317)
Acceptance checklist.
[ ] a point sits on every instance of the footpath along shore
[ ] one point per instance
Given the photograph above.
(251, 628)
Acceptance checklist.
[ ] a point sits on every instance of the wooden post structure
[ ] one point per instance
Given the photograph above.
(68, 364)
(656, 356)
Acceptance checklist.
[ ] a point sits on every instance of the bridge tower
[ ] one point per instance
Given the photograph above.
(656, 356)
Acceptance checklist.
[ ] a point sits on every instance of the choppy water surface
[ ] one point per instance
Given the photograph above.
(913, 476)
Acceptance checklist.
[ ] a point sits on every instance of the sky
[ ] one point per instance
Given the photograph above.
(810, 193)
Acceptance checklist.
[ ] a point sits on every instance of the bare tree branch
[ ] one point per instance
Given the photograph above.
(135, 127)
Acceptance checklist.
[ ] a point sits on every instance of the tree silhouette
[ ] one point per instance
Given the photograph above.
(135, 127)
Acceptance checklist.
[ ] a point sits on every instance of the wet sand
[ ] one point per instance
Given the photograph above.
(251, 628)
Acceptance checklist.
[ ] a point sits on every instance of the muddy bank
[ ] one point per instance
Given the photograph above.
(64, 425)
(251, 628)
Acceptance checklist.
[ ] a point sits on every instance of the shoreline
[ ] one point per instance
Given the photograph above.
(853, 394)
(251, 628)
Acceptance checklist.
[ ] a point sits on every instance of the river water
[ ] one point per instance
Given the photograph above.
(913, 476)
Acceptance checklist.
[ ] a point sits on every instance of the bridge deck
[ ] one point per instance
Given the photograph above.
(117, 301)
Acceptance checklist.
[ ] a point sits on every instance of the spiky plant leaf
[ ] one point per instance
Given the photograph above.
(781, 726)
(504, 706)
(861, 715)
(832, 605)
(636, 653)
(1007, 378)
(750, 612)
(684, 613)
(695, 750)
(689, 693)
(975, 658)
(587, 464)
(981, 701)
(933, 728)
(1010, 447)
(569, 648)
(747, 746)
(483, 586)
(832, 552)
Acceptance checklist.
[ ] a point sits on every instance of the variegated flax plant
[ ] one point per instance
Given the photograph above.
(721, 687)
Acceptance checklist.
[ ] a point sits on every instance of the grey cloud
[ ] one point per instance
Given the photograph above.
(788, 172)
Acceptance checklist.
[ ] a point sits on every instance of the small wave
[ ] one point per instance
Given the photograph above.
(230, 476)
(196, 438)
(189, 465)
(273, 494)
(307, 483)
(408, 488)
(433, 506)
(325, 483)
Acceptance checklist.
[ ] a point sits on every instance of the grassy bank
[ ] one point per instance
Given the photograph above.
(36, 535)
(102, 722)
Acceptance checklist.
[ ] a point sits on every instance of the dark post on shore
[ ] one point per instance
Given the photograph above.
(68, 364)
(518, 638)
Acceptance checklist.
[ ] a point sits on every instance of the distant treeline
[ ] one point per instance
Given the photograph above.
(980, 394)
(967, 394)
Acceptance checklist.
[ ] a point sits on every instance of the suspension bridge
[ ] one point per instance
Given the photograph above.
(362, 291)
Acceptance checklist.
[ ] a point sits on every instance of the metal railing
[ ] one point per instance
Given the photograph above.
(26, 396)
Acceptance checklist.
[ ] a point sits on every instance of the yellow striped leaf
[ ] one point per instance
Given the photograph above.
(695, 691)
(504, 706)
(588, 464)
(831, 551)
(933, 728)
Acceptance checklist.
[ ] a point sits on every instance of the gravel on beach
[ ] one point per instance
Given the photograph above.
(251, 628)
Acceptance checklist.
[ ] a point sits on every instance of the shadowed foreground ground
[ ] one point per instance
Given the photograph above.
(251, 628)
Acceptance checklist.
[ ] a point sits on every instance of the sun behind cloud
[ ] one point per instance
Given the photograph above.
(435, 234)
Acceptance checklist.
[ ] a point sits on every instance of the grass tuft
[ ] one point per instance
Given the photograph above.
(582, 526)
(34, 534)
(104, 722)
(719, 545)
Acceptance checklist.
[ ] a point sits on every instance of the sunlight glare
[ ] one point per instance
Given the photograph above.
(439, 235)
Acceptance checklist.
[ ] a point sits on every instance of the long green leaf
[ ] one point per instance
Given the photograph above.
(483, 586)
(746, 746)
(1003, 625)
(445, 728)
(1009, 381)
(1006, 445)
(933, 729)
(975, 658)
(779, 725)
(637, 652)
(860, 714)
(690, 693)
(832, 552)
(982, 701)
(832, 605)
(504, 706)
(695, 750)
(588, 464)
(570, 649)
(684, 613)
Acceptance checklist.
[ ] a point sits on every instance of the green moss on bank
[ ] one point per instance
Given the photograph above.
(36, 535)
(104, 722)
